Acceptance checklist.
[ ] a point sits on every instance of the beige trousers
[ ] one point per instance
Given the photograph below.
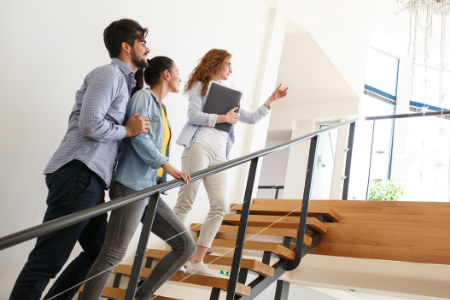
(194, 159)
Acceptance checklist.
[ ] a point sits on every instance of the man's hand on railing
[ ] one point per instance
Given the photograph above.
(169, 169)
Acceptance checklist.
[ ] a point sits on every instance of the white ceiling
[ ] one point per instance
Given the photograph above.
(309, 73)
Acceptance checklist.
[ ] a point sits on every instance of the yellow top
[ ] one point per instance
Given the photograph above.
(166, 139)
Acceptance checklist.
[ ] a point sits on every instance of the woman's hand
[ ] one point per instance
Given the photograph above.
(231, 117)
(169, 169)
(279, 93)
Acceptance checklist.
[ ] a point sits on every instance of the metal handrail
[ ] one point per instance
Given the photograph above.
(53, 225)
(401, 116)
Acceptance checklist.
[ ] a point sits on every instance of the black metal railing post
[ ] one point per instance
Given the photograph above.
(251, 181)
(149, 217)
(348, 162)
(292, 264)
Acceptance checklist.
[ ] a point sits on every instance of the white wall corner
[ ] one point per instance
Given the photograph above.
(266, 83)
(273, 4)
(298, 160)
(337, 183)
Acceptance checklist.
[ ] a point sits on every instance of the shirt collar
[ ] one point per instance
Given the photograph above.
(154, 98)
(122, 66)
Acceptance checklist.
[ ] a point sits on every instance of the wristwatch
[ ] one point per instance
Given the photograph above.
(268, 106)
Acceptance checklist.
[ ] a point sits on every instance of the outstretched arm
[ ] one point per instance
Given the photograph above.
(278, 93)
(263, 110)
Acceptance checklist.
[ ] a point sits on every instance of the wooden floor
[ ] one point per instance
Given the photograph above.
(402, 231)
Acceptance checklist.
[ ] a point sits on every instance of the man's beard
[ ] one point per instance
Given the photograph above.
(138, 62)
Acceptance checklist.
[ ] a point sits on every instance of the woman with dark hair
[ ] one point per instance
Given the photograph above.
(206, 146)
(142, 161)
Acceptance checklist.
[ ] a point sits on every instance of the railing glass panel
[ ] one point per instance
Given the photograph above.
(411, 154)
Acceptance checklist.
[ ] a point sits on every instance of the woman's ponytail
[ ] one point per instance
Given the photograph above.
(152, 74)
(156, 66)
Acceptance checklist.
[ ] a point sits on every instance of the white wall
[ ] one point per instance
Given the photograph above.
(50, 46)
(310, 74)
(273, 170)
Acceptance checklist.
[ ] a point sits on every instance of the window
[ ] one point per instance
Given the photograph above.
(418, 159)
(381, 149)
(420, 162)
(382, 71)
(430, 94)
(379, 99)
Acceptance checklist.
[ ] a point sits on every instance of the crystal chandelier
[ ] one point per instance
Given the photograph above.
(421, 14)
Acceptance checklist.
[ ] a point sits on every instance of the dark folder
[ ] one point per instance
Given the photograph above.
(219, 100)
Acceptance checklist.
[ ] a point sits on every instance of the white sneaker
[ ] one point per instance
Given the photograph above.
(200, 269)
(182, 269)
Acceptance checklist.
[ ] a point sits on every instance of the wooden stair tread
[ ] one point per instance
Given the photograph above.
(250, 264)
(275, 248)
(274, 207)
(286, 222)
(116, 293)
(287, 232)
(407, 231)
(214, 282)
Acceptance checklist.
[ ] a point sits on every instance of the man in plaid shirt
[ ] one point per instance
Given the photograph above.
(81, 168)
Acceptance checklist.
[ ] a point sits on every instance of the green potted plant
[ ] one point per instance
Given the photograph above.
(387, 192)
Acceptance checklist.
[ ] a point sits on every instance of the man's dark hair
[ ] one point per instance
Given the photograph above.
(124, 30)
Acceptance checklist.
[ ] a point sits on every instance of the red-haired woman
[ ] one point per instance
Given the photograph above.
(206, 146)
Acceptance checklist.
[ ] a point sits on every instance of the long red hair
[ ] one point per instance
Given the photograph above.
(208, 66)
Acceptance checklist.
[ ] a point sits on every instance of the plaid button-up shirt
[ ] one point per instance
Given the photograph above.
(95, 124)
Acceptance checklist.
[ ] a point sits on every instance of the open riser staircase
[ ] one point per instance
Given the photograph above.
(272, 232)
(417, 232)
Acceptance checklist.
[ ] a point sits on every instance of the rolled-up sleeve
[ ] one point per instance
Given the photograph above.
(255, 117)
(142, 143)
(100, 93)
(196, 116)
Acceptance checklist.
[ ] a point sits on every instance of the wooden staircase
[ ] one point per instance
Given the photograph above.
(278, 241)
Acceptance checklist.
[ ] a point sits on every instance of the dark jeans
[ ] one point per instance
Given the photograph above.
(71, 188)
